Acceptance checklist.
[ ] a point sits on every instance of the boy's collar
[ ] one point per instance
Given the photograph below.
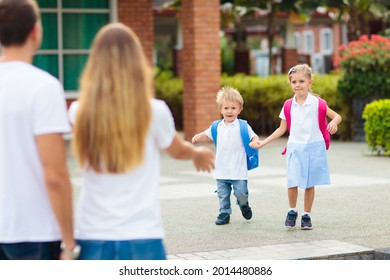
(235, 122)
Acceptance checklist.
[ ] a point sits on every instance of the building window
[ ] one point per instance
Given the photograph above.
(326, 41)
(308, 42)
(297, 43)
(69, 28)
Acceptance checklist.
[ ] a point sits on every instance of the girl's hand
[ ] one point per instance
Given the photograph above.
(332, 127)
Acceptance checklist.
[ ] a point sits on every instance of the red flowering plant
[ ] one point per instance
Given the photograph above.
(366, 65)
(365, 55)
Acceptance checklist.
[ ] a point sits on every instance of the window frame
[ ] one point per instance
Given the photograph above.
(297, 41)
(60, 52)
(306, 48)
(324, 49)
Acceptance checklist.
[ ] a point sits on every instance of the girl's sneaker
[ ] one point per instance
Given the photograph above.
(306, 222)
(291, 219)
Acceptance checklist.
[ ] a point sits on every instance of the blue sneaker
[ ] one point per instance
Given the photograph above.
(306, 222)
(222, 219)
(291, 219)
(246, 211)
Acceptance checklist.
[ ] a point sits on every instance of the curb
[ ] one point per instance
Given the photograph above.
(382, 254)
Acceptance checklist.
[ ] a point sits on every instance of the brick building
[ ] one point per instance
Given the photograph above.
(70, 26)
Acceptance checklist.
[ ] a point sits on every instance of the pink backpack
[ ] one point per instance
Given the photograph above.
(322, 121)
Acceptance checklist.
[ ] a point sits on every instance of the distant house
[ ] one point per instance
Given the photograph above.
(314, 42)
(317, 42)
(71, 25)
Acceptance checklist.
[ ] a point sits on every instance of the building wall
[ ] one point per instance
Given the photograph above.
(201, 64)
(321, 59)
(138, 15)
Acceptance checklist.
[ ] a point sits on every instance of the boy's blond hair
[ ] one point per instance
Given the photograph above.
(114, 115)
(229, 94)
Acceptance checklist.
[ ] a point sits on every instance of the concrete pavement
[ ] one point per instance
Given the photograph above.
(351, 218)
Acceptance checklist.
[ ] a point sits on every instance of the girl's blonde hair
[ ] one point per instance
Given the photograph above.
(114, 114)
(229, 94)
(301, 68)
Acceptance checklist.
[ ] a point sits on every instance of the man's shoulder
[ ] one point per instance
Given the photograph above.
(33, 76)
(42, 75)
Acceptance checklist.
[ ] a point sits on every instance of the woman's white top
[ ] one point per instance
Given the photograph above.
(126, 206)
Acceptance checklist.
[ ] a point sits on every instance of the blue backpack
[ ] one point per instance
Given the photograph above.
(252, 155)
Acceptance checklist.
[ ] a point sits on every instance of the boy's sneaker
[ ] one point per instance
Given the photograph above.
(246, 211)
(306, 222)
(291, 219)
(222, 219)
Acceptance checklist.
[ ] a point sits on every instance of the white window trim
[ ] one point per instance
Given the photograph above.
(297, 38)
(305, 46)
(323, 32)
(113, 17)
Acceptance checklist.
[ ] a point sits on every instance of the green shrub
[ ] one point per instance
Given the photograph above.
(263, 97)
(170, 89)
(364, 84)
(377, 125)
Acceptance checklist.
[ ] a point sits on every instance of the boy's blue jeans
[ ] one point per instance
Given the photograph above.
(142, 249)
(224, 189)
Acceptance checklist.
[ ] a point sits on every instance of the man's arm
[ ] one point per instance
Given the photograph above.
(52, 153)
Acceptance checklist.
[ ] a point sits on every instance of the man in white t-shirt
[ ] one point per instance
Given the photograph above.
(35, 191)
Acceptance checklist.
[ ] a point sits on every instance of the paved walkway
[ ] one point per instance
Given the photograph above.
(351, 218)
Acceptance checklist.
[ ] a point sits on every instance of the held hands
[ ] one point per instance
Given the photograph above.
(256, 144)
(203, 159)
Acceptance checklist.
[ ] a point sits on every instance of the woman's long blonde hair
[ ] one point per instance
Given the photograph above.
(114, 113)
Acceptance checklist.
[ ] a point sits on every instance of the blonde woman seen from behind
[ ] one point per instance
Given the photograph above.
(119, 130)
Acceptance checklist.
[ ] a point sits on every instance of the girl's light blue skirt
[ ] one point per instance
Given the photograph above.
(307, 165)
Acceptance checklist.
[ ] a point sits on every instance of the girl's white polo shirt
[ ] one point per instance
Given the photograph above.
(304, 121)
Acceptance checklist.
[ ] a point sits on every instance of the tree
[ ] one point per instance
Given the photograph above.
(357, 14)
(271, 9)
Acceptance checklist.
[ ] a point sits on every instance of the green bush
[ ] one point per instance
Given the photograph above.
(377, 125)
(364, 84)
(263, 97)
(170, 89)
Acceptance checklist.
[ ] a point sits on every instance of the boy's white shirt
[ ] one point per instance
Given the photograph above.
(230, 156)
(304, 121)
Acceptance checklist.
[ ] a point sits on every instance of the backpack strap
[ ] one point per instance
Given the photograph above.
(322, 121)
(214, 127)
(245, 135)
(287, 113)
(252, 155)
